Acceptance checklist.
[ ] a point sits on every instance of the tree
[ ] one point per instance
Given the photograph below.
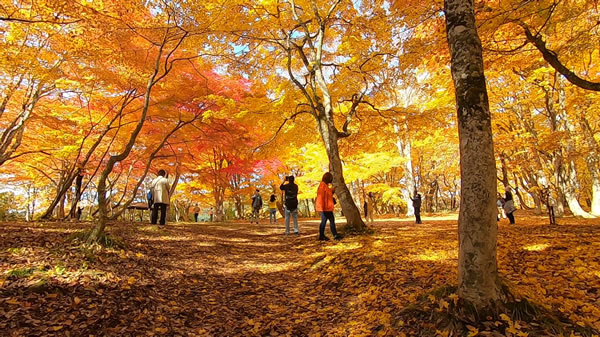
(478, 280)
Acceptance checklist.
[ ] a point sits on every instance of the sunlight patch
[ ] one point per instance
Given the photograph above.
(345, 246)
(436, 255)
(537, 247)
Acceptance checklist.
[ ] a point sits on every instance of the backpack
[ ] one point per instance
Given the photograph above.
(149, 195)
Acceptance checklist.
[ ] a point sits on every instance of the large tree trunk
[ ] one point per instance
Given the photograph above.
(408, 180)
(329, 135)
(593, 163)
(75, 201)
(478, 280)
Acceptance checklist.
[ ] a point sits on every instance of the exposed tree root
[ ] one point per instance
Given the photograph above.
(442, 313)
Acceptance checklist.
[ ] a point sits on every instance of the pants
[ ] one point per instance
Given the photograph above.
(211, 217)
(196, 217)
(511, 217)
(324, 217)
(418, 214)
(272, 215)
(255, 215)
(294, 215)
(163, 213)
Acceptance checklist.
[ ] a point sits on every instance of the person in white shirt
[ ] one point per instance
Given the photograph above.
(509, 207)
(160, 195)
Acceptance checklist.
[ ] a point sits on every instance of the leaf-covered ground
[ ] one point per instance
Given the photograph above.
(238, 279)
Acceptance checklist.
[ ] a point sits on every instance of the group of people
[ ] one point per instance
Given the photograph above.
(324, 204)
(506, 207)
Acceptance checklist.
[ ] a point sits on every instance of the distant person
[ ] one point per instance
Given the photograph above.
(509, 207)
(500, 206)
(416, 201)
(273, 209)
(324, 205)
(196, 212)
(257, 204)
(160, 196)
(369, 210)
(210, 214)
(290, 203)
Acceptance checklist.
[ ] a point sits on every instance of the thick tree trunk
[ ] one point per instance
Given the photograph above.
(478, 280)
(75, 201)
(329, 135)
(408, 180)
(593, 163)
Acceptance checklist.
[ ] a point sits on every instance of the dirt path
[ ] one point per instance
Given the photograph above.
(250, 280)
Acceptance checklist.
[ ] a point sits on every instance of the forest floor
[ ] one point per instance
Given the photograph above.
(237, 279)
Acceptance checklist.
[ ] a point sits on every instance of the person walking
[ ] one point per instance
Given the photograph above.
(257, 204)
(196, 212)
(290, 203)
(273, 209)
(324, 205)
(416, 201)
(210, 214)
(160, 196)
(509, 207)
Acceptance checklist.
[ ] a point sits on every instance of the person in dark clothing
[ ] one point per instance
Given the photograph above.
(291, 203)
(257, 204)
(416, 201)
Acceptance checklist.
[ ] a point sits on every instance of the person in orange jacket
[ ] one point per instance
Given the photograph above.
(324, 205)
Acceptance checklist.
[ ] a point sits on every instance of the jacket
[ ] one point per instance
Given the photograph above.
(324, 202)
(256, 201)
(160, 190)
(509, 206)
(291, 196)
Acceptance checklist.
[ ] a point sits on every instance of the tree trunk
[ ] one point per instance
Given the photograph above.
(329, 135)
(75, 202)
(593, 163)
(478, 280)
(408, 180)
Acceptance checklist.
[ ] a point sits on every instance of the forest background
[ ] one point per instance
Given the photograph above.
(98, 95)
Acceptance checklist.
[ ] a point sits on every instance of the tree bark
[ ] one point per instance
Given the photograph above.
(329, 135)
(408, 180)
(478, 280)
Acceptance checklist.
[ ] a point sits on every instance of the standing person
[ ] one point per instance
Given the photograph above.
(509, 207)
(210, 213)
(369, 210)
(257, 204)
(291, 203)
(196, 212)
(160, 195)
(500, 205)
(273, 209)
(324, 204)
(416, 201)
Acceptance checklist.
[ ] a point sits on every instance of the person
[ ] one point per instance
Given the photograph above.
(369, 210)
(324, 205)
(273, 209)
(257, 204)
(210, 214)
(509, 207)
(196, 212)
(160, 196)
(290, 203)
(416, 201)
(500, 206)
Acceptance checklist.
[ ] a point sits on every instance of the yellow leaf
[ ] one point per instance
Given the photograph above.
(131, 280)
(76, 300)
(473, 331)
(56, 328)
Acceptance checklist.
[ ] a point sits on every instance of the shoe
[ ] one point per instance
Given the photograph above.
(337, 237)
(296, 233)
(323, 238)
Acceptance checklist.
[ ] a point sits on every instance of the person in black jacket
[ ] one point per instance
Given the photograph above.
(416, 201)
(291, 203)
